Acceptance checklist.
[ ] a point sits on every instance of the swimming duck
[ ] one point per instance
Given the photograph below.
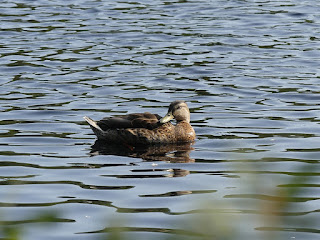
(146, 128)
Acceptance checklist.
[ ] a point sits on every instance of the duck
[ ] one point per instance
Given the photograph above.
(146, 128)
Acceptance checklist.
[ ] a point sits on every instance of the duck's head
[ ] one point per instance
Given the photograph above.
(179, 111)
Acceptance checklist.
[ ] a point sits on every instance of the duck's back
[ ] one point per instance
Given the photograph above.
(135, 120)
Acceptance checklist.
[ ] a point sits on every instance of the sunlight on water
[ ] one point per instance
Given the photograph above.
(249, 72)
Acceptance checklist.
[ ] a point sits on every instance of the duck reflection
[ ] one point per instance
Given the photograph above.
(174, 153)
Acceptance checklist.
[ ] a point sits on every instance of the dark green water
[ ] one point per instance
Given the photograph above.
(249, 71)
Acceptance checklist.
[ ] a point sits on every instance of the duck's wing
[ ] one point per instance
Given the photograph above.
(135, 120)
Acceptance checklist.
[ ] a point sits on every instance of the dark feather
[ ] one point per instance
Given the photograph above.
(134, 120)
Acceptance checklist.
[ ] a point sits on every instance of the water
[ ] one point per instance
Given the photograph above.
(249, 72)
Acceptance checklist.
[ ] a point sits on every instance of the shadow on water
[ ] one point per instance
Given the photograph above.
(173, 153)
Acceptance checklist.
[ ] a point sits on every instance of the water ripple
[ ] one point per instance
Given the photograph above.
(249, 72)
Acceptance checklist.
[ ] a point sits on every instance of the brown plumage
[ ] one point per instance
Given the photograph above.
(146, 128)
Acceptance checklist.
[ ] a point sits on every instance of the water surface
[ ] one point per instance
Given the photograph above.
(249, 72)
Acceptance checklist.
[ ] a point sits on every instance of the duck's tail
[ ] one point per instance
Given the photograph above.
(94, 126)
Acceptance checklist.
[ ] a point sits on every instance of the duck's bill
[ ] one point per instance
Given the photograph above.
(166, 118)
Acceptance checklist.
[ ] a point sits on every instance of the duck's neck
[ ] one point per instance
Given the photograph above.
(184, 121)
